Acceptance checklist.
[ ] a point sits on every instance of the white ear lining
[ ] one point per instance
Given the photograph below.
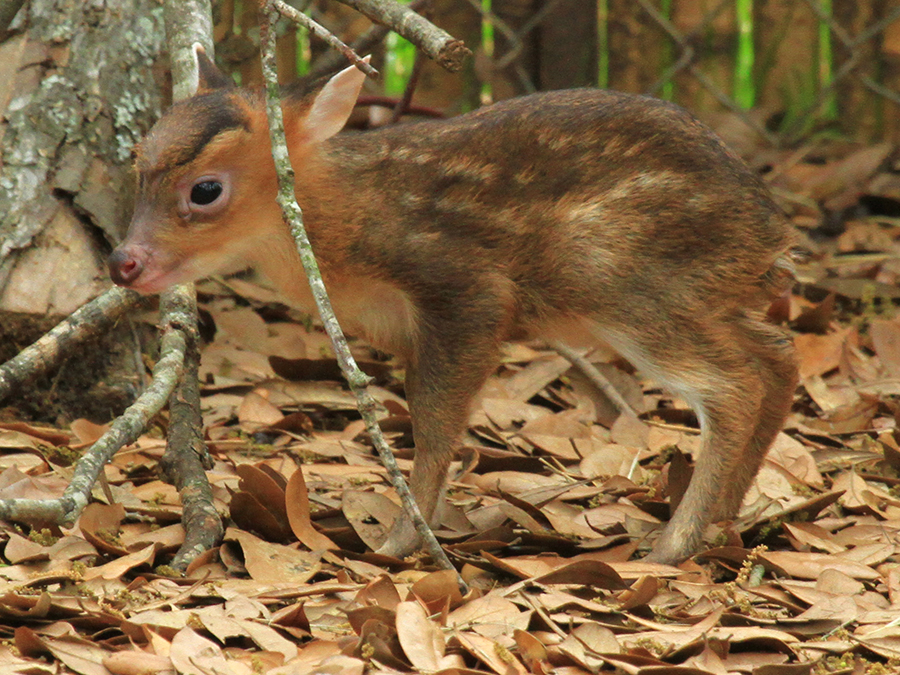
(334, 103)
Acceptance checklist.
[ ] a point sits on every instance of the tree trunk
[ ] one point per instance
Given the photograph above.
(77, 90)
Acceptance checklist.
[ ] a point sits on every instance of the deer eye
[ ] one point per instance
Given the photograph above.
(206, 192)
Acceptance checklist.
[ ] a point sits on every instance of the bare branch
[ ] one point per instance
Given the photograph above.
(436, 43)
(186, 23)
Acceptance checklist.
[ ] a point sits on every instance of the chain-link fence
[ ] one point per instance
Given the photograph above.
(785, 69)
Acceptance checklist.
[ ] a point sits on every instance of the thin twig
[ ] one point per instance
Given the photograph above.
(405, 101)
(323, 33)
(88, 321)
(357, 380)
(436, 43)
(330, 62)
(597, 378)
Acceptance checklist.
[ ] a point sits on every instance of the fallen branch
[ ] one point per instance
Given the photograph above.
(124, 430)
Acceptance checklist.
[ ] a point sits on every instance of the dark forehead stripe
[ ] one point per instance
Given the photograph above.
(187, 127)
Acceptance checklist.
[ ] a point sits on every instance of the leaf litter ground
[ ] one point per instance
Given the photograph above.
(552, 496)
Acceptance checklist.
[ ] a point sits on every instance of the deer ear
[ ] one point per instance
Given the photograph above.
(209, 78)
(333, 104)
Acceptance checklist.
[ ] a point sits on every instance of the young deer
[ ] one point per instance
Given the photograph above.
(556, 214)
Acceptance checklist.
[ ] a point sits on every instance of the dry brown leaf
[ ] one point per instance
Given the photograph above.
(297, 503)
(499, 659)
(134, 662)
(99, 524)
(795, 459)
(811, 565)
(256, 411)
(886, 341)
(87, 432)
(273, 562)
(80, 655)
(809, 535)
(47, 435)
(584, 573)
(640, 593)
(568, 520)
(117, 568)
(610, 459)
(532, 651)
(438, 591)
(370, 514)
(20, 549)
(556, 446)
(421, 639)
(856, 494)
(524, 384)
(16, 485)
(830, 398)
(630, 431)
(491, 616)
(819, 354)
(226, 365)
(507, 414)
(192, 654)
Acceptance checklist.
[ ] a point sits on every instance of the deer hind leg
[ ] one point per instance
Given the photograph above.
(773, 353)
(710, 365)
(452, 361)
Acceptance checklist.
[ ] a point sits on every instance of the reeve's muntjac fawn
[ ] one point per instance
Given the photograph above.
(556, 215)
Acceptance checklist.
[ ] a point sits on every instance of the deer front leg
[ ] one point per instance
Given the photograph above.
(452, 360)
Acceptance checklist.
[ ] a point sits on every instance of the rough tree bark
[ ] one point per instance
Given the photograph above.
(76, 93)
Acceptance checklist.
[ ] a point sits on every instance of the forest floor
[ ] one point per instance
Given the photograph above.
(553, 496)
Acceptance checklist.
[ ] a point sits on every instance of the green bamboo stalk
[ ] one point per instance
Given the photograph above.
(487, 46)
(304, 54)
(602, 43)
(826, 63)
(744, 85)
(668, 88)
(400, 55)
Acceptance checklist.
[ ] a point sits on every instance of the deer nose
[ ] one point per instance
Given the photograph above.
(124, 267)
